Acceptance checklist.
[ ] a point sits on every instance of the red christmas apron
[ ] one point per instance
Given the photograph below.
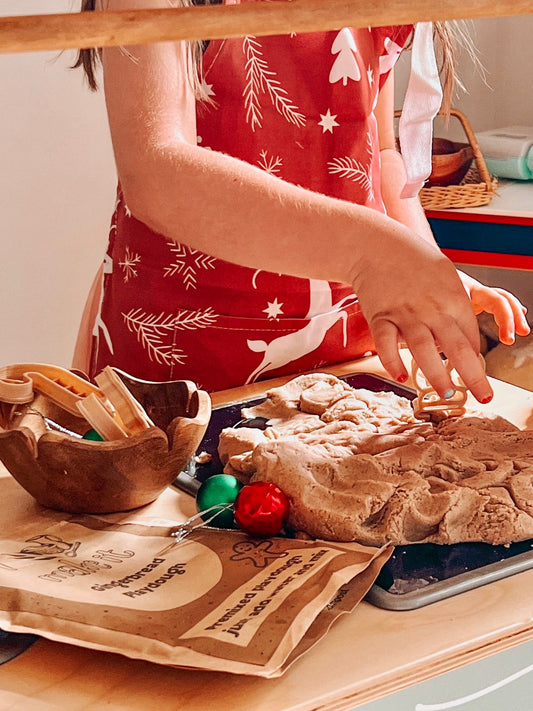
(301, 108)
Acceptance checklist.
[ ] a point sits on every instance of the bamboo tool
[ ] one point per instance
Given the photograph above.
(103, 29)
(119, 414)
(64, 471)
(110, 409)
(18, 383)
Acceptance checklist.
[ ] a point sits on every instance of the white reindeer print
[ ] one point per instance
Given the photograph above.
(322, 315)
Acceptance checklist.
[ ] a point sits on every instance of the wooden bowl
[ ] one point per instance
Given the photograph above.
(68, 473)
(450, 162)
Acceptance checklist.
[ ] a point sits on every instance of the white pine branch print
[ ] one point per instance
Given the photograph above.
(351, 169)
(153, 330)
(369, 148)
(191, 320)
(260, 78)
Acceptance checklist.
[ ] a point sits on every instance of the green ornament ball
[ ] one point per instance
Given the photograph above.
(218, 490)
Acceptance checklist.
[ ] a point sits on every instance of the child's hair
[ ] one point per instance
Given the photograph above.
(89, 59)
(447, 36)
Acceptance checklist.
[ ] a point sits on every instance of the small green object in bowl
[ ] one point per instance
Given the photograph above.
(93, 435)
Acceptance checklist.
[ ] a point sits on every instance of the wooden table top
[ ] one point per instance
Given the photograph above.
(366, 654)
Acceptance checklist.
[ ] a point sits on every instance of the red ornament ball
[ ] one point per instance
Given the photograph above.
(261, 508)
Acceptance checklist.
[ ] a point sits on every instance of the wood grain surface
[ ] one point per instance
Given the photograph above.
(100, 29)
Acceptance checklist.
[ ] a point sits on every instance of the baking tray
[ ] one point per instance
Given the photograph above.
(12, 644)
(415, 575)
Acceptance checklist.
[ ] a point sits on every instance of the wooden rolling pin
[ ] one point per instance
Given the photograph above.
(130, 27)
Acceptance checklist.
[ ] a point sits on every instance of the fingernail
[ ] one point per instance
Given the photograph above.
(487, 399)
(449, 394)
(402, 378)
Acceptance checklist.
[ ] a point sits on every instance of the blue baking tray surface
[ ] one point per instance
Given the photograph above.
(415, 575)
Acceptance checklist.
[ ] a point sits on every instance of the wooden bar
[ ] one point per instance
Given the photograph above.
(129, 27)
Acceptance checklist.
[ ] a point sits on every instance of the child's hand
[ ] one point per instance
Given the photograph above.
(415, 297)
(507, 310)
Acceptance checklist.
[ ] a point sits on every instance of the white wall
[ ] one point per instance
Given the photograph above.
(57, 182)
(498, 92)
(57, 176)
(506, 51)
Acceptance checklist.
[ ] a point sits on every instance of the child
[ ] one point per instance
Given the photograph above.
(246, 221)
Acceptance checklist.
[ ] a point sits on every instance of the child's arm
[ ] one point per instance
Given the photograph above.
(507, 310)
(234, 211)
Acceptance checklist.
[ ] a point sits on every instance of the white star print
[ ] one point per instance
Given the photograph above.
(370, 75)
(274, 309)
(328, 121)
(207, 89)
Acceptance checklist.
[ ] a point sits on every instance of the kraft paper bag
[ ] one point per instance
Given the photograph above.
(217, 600)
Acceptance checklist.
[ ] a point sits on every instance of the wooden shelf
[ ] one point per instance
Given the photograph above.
(499, 234)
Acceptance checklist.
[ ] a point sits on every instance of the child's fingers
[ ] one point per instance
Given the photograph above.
(385, 336)
(419, 339)
(518, 310)
(505, 320)
(508, 311)
(458, 339)
(461, 356)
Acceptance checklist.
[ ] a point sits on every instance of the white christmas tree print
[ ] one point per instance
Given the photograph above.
(129, 264)
(155, 331)
(274, 309)
(345, 65)
(269, 165)
(261, 79)
(187, 262)
(328, 121)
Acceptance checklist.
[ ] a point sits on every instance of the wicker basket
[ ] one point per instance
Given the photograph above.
(477, 188)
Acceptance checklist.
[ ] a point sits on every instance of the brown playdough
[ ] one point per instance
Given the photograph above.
(357, 466)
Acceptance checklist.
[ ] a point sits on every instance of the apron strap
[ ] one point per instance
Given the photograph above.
(422, 103)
